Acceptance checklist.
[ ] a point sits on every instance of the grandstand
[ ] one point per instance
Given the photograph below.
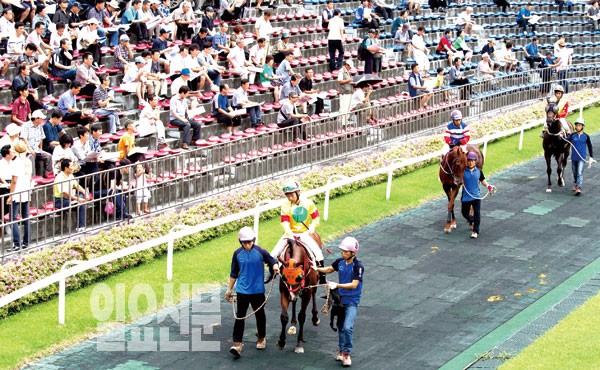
(220, 161)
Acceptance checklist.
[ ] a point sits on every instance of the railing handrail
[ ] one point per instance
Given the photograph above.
(190, 230)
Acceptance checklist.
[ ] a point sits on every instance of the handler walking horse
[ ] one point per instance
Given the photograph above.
(555, 145)
(451, 173)
(298, 280)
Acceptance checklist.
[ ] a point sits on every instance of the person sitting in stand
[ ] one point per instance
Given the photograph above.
(33, 133)
(52, 131)
(68, 190)
(60, 64)
(457, 132)
(223, 111)
(86, 76)
(306, 86)
(67, 103)
(137, 26)
(240, 101)
(289, 117)
(150, 122)
(178, 116)
(101, 103)
(127, 144)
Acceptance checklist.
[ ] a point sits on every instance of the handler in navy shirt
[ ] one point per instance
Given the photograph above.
(471, 196)
(247, 268)
(580, 141)
(350, 271)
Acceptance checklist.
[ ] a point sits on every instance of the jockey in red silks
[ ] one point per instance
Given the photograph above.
(457, 132)
(562, 110)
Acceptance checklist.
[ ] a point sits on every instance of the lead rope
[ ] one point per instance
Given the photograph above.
(589, 161)
(233, 300)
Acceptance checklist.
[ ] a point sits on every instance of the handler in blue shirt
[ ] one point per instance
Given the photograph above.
(471, 196)
(350, 271)
(580, 141)
(247, 269)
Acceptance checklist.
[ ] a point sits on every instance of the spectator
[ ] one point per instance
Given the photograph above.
(593, 14)
(137, 25)
(361, 101)
(7, 26)
(150, 122)
(484, 69)
(21, 110)
(290, 87)
(346, 87)
(52, 131)
(58, 35)
(178, 117)
(490, 49)
(262, 27)
(6, 178)
(208, 20)
(219, 41)
(22, 13)
(561, 4)
(157, 71)
(400, 21)
(289, 117)
(503, 4)
(160, 44)
(127, 144)
(75, 22)
(240, 101)
(44, 50)
(60, 64)
(213, 69)
(556, 44)
(284, 71)
(20, 189)
(146, 13)
(184, 19)
(67, 103)
(197, 83)
(86, 76)
(23, 79)
(445, 46)
(97, 12)
(327, 14)
(382, 9)
(182, 80)
(101, 103)
(34, 135)
(202, 37)
(282, 48)
(414, 7)
(420, 50)
(67, 190)
(81, 148)
(238, 63)
(563, 59)
(268, 79)
(223, 111)
(96, 147)
(258, 54)
(134, 80)
(87, 42)
(12, 136)
(38, 77)
(64, 151)
(523, 18)
(142, 189)
(233, 10)
(509, 58)
(306, 86)
(460, 45)
(123, 53)
(416, 87)
(335, 38)
(465, 22)
(42, 17)
(549, 66)
(116, 186)
(403, 42)
(15, 45)
(364, 16)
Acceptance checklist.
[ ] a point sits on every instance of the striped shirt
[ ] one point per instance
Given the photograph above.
(455, 135)
(99, 95)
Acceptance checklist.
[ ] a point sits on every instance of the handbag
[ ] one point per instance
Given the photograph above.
(109, 208)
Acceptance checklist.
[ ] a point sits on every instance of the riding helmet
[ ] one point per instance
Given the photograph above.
(456, 114)
(246, 234)
(349, 244)
(580, 121)
(559, 88)
(471, 155)
(291, 187)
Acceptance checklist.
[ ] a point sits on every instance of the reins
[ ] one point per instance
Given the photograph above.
(233, 299)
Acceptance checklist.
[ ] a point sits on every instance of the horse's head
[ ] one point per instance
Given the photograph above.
(457, 162)
(295, 268)
(552, 120)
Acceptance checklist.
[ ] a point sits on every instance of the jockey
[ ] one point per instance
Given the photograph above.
(457, 132)
(299, 218)
(562, 109)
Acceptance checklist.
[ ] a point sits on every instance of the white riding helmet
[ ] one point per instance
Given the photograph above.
(580, 121)
(291, 187)
(559, 88)
(349, 244)
(246, 234)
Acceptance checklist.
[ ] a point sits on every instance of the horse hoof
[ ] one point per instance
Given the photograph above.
(447, 231)
(299, 350)
(453, 226)
(548, 190)
(316, 322)
(280, 346)
(292, 330)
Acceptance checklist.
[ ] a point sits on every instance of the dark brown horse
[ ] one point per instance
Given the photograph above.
(451, 173)
(555, 145)
(298, 280)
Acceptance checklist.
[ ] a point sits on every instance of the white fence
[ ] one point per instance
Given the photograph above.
(74, 267)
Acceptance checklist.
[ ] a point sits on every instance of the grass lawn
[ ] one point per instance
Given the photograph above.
(34, 332)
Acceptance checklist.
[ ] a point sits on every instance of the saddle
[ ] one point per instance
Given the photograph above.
(295, 271)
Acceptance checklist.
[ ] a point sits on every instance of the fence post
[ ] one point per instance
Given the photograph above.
(521, 137)
(484, 152)
(62, 290)
(327, 192)
(257, 216)
(388, 190)
(170, 243)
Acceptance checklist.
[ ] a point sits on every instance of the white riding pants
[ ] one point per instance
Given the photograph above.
(304, 238)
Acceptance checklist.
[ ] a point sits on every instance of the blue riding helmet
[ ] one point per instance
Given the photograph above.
(471, 156)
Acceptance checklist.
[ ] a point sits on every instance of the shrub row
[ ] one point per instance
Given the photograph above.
(32, 267)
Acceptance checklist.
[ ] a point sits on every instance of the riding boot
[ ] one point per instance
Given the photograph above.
(322, 279)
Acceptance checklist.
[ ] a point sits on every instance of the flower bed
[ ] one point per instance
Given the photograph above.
(35, 266)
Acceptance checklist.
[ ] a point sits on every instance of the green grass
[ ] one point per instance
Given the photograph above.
(34, 332)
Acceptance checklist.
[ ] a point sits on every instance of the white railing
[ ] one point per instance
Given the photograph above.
(181, 231)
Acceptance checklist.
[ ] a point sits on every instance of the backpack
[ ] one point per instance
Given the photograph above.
(362, 51)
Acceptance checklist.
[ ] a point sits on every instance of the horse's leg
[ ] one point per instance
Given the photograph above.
(561, 167)
(448, 190)
(548, 170)
(284, 320)
(315, 318)
(292, 328)
(451, 219)
(301, 319)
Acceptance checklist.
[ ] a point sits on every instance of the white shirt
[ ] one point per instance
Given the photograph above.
(564, 55)
(484, 66)
(358, 97)
(336, 28)
(463, 18)
(22, 169)
(7, 27)
(132, 74)
(86, 34)
(5, 172)
(178, 63)
(418, 42)
(258, 53)
(175, 85)
(239, 97)
(263, 27)
(237, 56)
(15, 45)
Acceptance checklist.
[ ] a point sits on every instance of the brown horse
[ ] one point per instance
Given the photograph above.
(297, 280)
(555, 145)
(451, 173)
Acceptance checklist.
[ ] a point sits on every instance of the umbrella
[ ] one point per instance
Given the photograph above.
(366, 79)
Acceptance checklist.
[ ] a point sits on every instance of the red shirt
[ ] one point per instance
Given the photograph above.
(444, 41)
(21, 109)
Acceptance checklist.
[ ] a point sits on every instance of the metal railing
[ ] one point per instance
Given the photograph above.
(252, 157)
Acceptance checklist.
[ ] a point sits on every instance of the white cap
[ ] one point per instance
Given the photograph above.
(13, 129)
(349, 62)
(485, 55)
(38, 114)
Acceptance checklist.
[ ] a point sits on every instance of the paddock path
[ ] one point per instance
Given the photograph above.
(427, 296)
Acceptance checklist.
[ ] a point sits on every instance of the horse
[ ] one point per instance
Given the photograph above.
(298, 280)
(555, 145)
(451, 173)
